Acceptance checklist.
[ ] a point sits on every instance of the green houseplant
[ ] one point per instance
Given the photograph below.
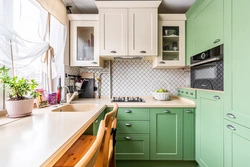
(18, 104)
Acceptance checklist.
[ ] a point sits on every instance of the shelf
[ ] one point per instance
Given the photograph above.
(170, 36)
(170, 51)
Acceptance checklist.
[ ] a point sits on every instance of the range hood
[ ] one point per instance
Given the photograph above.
(129, 58)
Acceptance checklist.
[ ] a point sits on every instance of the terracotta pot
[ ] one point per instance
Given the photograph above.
(20, 108)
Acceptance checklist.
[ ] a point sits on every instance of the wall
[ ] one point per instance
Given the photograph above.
(137, 78)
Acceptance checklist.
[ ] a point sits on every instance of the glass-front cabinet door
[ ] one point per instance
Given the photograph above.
(171, 44)
(84, 44)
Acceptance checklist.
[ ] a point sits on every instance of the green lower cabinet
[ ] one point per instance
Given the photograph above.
(166, 134)
(237, 145)
(133, 127)
(132, 146)
(97, 123)
(209, 129)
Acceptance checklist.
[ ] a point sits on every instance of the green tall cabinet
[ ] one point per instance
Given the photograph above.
(209, 129)
(237, 81)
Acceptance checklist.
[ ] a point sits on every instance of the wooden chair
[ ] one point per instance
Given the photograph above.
(81, 147)
(106, 155)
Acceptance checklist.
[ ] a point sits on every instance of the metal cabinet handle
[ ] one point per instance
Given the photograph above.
(166, 111)
(191, 94)
(128, 111)
(182, 92)
(189, 111)
(96, 121)
(143, 51)
(112, 51)
(217, 40)
(179, 91)
(128, 138)
(231, 127)
(162, 62)
(128, 124)
(231, 115)
(94, 62)
(217, 97)
(186, 92)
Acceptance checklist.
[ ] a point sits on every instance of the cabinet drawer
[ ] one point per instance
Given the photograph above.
(132, 147)
(133, 114)
(133, 126)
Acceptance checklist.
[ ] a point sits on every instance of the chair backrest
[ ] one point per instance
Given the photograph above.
(89, 159)
(110, 123)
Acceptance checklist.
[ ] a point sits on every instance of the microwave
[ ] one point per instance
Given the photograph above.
(207, 69)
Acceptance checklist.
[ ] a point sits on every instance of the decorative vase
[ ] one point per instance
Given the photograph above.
(19, 108)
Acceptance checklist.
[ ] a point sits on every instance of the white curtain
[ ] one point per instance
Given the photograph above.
(30, 47)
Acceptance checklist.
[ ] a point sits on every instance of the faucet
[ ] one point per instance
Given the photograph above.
(70, 98)
(66, 95)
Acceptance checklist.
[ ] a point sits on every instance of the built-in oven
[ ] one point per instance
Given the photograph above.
(207, 70)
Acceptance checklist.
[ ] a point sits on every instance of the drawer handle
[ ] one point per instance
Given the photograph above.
(179, 91)
(162, 62)
(128, 111)
(217, 97)
(189, 111)
(166, 111)
(231, 115)
(128, 124)
(186, 92)
(231, 127)
(96, 121)
(217, 40)
(143, 51)
(191, 94)
(128, 138)
(93, 62)
(113, 51)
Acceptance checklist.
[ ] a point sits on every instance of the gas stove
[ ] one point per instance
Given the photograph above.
(127, 99)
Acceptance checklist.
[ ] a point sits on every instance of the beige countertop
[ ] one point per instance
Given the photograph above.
(40, 139)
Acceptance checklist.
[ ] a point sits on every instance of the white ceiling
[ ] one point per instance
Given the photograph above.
(167, 6)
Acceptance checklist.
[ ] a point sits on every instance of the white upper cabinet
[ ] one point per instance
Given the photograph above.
(128, 28)
(143, 32)
(84, 41)
(113, 32)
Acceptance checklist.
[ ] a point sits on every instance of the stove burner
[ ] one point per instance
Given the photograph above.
(127, 99)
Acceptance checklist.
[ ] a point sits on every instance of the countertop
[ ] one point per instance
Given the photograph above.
(40, 139)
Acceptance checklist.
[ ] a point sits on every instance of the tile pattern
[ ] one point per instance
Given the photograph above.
(137, 78)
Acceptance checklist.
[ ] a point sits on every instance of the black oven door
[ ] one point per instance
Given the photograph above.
(208, 76)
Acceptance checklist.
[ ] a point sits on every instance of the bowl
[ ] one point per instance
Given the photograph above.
(161, 95)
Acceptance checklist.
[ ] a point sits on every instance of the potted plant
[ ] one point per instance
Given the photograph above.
(18, 104)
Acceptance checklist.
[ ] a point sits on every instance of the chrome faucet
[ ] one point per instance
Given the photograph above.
(65, 94)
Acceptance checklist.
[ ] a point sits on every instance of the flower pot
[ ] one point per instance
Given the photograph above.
(19, 108)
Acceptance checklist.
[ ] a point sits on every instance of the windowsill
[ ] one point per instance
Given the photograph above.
(5, 120)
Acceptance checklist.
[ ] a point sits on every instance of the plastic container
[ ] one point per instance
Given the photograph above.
(52, 98)
(41, 91)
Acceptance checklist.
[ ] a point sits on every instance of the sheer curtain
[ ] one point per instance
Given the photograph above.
(22, 36)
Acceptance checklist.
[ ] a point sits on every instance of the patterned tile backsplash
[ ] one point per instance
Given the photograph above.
(137, 78)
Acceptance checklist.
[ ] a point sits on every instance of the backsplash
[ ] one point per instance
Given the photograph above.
(136, 78)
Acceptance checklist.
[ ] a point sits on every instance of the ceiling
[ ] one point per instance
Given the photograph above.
(167, 6)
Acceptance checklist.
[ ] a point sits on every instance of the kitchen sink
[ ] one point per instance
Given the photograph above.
(75, 108)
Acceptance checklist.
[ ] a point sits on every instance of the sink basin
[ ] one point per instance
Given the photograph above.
(75, 108)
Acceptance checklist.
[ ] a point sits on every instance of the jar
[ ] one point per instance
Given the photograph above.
(52, 98)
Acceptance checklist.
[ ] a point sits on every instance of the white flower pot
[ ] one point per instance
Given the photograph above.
(20, 108)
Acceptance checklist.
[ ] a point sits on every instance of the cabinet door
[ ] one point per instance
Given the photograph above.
(113, 32)
(209, 129)
(189, 40)
(237, 145)
(166, 134)
(237, 78)
(97, 123)
(84, 43)
(171, 44)
(208, 26)
(132, 146)
(143, 25)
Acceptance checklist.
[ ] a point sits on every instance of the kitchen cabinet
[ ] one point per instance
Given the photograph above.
(84, 41)
(171, 38)
(205, 27)
(97, 123)
(209, 129)
(128, 29)
(166, 129)
(132, 134)
(236, 50)
(237, 145)
(189, 40)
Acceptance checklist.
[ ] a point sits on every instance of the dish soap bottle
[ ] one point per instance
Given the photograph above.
(59, 90)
